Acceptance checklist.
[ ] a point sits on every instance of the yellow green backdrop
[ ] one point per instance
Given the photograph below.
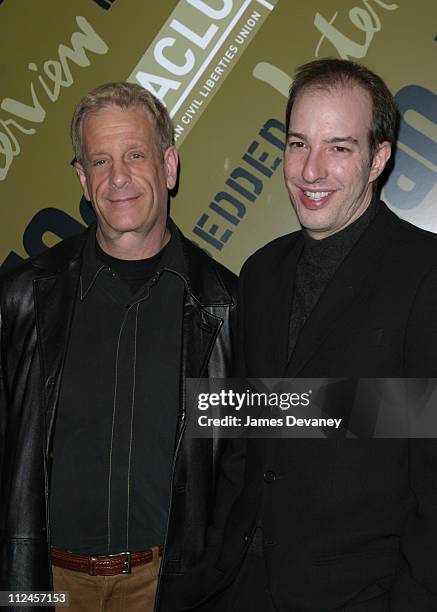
(223, 68)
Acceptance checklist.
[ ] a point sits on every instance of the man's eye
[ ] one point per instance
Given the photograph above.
(99, 162)
(137, 156)
(296, 144)
(341, 149)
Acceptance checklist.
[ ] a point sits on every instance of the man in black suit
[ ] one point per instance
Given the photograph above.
(336, 524)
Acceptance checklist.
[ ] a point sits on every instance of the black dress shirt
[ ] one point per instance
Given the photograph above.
(319, 261)
(118, 409)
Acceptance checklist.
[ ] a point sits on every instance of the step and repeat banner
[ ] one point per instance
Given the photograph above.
(223, 69)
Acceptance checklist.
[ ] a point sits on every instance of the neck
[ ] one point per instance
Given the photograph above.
(132, 245)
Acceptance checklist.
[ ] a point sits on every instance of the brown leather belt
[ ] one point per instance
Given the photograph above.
(102, 565)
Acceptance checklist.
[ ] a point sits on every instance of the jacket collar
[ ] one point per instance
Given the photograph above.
(188, 261)
(59, 257)
(199, 272)
(345, 288)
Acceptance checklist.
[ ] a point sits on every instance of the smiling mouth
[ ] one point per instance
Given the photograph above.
(317, 195)
(315, 200)
(124, 200)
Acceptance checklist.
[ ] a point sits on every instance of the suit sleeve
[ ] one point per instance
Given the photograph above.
(420, 350)
(415, 587)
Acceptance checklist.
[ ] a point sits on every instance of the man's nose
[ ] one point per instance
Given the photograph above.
(120, 175)
(314, 168)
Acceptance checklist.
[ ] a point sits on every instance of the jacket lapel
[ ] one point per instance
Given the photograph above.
(55, 294)
(271, 331)
(55, 299)
(200, 332)
(205, 294)
(343, 290)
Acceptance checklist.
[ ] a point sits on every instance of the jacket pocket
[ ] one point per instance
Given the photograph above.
(388, 549)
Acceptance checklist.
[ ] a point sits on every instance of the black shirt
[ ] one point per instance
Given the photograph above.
(133, 272)
(319, 261)
(118, 408)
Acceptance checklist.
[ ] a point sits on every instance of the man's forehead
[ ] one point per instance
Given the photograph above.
(117, 122)
(136, 110)
(335, 90)
(347, 108)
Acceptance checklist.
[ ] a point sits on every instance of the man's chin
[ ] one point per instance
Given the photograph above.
(314, 220)
(113, 229)
(317, 228)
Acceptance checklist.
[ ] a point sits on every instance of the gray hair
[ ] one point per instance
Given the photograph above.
(123, 95)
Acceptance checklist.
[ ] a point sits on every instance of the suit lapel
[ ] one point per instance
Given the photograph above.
(343, 289)
(271, 331)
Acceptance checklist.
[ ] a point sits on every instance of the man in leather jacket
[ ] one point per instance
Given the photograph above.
(98, 335)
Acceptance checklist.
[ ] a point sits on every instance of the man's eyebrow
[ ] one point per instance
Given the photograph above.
(296, 135)
(136, 145)
(97, 153)
(333, 140)
(341, 139)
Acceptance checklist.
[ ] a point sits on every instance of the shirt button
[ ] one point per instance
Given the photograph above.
(269, 476)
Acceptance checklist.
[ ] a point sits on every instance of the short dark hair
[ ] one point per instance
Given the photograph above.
(126, 96)
(332, 73)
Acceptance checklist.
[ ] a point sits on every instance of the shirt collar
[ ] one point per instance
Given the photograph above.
(330, 251)
(173, 259)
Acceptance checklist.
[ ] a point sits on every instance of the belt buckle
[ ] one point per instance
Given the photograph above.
(127, 563)
(92, 569)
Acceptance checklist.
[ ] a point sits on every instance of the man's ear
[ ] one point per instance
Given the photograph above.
(80, 171)
(171, 161)
(380, 158)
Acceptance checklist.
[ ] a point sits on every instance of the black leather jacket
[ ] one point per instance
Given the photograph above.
(36, 308)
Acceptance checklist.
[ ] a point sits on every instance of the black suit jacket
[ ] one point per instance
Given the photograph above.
(347, 524)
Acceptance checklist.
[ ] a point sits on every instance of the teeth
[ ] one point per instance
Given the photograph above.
(317, 195)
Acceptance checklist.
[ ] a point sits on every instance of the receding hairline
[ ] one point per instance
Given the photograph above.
(122, 107)
(326, 88)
